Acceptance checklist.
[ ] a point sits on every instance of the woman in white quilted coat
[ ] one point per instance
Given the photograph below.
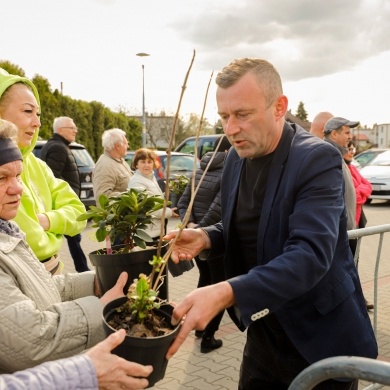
(144, 163)
(42, 317)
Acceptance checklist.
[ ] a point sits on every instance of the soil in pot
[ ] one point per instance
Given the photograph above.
(145, 350)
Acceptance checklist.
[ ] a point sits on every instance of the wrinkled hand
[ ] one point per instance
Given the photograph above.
(116, 291)
(190, 243)
(196, 314)
(114, 372)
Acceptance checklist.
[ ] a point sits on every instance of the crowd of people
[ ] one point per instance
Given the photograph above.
(268, 231)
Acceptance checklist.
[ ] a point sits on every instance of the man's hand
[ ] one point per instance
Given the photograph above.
(116, 291)
(114, 372)
(196, 313)
(190, 243)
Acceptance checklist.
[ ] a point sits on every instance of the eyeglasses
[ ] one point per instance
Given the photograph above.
(352, 150)
(69, 127)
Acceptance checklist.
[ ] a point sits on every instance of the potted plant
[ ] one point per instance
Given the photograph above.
(123, 219)
(147, 321)
(177, 187)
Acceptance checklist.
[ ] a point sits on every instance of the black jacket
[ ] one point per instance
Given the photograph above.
(207, 205)
(58, 156)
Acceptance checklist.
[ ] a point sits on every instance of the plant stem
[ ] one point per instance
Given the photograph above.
(193, 191)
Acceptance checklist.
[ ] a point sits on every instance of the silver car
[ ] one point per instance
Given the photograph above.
(378, 174)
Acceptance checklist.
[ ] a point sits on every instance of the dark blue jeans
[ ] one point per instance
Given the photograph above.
(271, 361)
(79, 259)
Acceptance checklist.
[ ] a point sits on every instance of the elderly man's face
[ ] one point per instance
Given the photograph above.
(10, 189)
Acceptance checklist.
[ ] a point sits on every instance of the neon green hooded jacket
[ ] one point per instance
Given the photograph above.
(43, 193)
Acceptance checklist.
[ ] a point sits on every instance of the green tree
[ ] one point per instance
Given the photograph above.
(301, 112)
(91, 118)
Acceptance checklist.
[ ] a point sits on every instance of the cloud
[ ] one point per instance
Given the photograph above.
(302, 38)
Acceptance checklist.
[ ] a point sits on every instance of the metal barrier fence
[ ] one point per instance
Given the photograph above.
(359, 234)
(343, 367)
(352, 367)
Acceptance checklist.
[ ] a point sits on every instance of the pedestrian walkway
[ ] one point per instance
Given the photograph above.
(219, 370)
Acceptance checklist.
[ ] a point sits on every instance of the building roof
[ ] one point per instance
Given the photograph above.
(294, 119)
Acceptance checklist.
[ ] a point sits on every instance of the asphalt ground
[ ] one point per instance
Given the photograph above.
(219, 370)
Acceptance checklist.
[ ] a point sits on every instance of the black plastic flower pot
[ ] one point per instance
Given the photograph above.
(177, 269)
(143, 350)
(109, 267)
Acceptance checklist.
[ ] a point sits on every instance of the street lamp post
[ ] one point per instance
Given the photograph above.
(143, 100)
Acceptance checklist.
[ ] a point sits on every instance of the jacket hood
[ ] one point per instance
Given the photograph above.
(6, 80)
(216, 163)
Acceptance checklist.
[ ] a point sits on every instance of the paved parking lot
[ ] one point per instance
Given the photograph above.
(219, 370)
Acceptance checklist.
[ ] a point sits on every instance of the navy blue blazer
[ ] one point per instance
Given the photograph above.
(305, 272)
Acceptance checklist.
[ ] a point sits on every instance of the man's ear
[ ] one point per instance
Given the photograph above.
(281, 105)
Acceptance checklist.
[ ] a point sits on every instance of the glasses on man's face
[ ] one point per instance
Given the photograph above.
(352, 150)
(69, 127)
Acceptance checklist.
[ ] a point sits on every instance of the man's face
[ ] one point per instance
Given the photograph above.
(122, 147)
(10, 189)
(342, 137)
(22, 110)
(252, 125)
(68, 130)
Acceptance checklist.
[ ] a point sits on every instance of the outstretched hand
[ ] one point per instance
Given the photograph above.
(112, 371)
(116, 291)
(190, 243)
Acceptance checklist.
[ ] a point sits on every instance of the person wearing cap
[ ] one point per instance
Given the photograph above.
(49, 207)
(318, 124)
(42, 317)
(337, 132)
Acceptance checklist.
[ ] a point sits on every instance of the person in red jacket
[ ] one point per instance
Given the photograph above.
(362, 186)
(363, 190)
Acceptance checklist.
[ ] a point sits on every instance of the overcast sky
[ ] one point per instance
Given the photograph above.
(333, 55)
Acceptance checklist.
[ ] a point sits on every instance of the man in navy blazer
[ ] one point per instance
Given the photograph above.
(291, 279)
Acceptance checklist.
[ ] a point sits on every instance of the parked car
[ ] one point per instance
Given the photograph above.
(206, 143)
(364, 158)
(85, 164)
(377, 172)
(181, 164)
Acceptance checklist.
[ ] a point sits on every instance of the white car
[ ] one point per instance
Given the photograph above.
(378, 174)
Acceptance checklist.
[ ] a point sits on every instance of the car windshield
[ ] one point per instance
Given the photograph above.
(83, 159)
(180, 163)
(382, 159)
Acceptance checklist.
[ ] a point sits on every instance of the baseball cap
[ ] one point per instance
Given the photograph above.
(336, 123)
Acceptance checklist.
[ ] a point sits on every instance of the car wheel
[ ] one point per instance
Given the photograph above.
(368, 201)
